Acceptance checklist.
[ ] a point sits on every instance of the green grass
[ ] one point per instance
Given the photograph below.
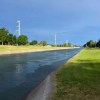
(79, 78)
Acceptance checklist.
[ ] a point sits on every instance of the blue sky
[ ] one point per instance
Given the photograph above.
(76, 21)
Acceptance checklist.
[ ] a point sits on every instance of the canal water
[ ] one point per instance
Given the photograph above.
(21, 73)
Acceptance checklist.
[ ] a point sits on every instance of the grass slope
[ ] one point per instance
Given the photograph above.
(12, 48)
(79, 78)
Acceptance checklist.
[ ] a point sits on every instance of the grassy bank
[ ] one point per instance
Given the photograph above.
(79, 78)
(5, 48)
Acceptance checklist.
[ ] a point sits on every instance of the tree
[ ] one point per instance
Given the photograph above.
(91, 43)
(43, 43)
(3, 35)
(98, 44)
(14, 40)
(10, 39)
(69, 44)
(85, 45)
(22, 40)
(34, 42)
(65, 44)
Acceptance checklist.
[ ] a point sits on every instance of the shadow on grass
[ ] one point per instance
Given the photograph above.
(79, 81)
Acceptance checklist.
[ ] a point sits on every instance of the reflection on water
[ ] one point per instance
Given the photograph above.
(19, 68)
(20, 73)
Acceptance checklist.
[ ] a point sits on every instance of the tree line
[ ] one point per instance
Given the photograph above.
(6, 38)
(92, 44)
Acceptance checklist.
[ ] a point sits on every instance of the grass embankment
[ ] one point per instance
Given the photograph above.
(5, 48)
(79, 78)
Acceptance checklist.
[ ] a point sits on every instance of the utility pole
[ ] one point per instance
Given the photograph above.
(66, 41)
(55, 40)
(18, 27)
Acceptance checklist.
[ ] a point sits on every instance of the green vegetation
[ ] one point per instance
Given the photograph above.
(11, 39)
(79, 78)
(92, 44)
(6, 38)
(43, 43)
(65, 45)
(98, 44)
(37, 47)
(3, 35)
(34, 42)
(22, 40)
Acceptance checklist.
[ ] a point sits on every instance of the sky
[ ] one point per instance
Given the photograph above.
(75, 21)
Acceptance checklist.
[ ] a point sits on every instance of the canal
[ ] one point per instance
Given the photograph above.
(21, 73)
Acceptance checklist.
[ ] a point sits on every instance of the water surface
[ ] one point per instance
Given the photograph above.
(21, 73)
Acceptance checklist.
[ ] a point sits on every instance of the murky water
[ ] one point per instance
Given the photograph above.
(21, 73)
